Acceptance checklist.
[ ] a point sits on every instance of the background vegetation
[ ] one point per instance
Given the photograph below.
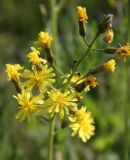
(20, 22)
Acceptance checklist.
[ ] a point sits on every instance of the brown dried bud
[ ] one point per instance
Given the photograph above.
(105, 23)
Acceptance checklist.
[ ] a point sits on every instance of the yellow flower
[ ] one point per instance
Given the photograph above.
(82, 124)
(108, 36)
(110, 65)
(34, 57)
(29, 106)
(12, 71)
(45, 39)
(42, 78)
(81, 13)
(124, 51)
(59, 102)
(90, 82)
(75, 79)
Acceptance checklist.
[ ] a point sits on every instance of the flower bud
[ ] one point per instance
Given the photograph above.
(97, 70)
(110, 50)
(105, 23)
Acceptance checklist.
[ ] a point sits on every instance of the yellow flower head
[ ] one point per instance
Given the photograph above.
(58, 102)
(108, 35)
(34, 57)
(90, 82)
(82, 124)
(124, 51)
(12, 71)
(110, 65)
(75, 79)
(45, 39)
(81, 13)
(29, 106)
(42, 78)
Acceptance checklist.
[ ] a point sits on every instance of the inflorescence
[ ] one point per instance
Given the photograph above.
(37, 93)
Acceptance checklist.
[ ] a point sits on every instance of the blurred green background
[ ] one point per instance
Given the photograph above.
(20, 23)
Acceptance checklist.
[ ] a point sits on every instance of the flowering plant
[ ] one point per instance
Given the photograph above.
(38, 94)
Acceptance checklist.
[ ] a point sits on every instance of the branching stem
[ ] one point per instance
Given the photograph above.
(82, 58)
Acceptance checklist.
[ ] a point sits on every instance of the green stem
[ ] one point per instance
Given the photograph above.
(61, 5)
(85, 40)
(50, 139)
(57, 69)
(82, 58)
(54, 19)
(126, 115)
(55, 9)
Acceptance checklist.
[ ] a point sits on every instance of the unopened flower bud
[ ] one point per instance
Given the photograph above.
(97, 70)
(110, 50)
(105, 23)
